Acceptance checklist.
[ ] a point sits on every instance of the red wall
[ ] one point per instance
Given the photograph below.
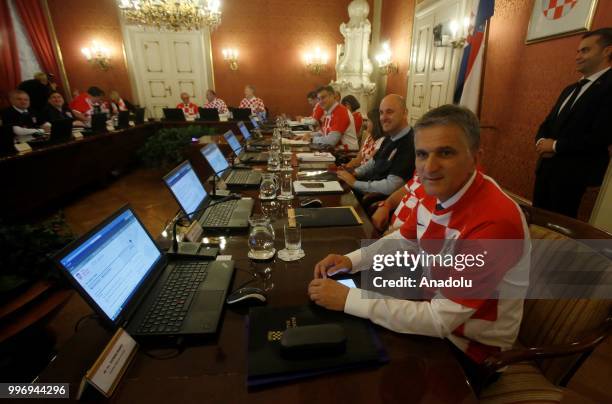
(76, 24)
(521, 84)
(271, 36)
(396, 27)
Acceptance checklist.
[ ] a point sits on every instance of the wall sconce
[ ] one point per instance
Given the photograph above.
(231, 56)
(316, 62)
(97, 55)
(454, 36)
(385, 60)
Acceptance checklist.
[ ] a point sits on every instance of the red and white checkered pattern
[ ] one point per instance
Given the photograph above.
(482, 212)
(555, 9)
(190, 110)
(369, 148)
(414, 193)
(256, 104)
(217, 103)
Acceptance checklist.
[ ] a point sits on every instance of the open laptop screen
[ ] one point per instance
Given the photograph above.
(215, 158)
(186, 187)
(245, 132)
(231, 139)
(254, 122)
(111, 264)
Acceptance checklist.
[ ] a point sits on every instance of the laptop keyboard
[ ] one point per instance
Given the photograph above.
(168, 312)
(239, 177)
(219, 215)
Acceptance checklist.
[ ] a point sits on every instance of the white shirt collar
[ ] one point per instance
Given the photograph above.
(453, 199)
(401, 133)
(597, 75)
(21, 111)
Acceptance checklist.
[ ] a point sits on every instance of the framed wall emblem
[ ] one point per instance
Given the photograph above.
(556, 18)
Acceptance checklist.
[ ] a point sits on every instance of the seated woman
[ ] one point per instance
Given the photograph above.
(353, 105)
(118, 104)
(57, 109)
(372, 141)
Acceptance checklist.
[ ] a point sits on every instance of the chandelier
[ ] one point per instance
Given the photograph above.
(184, 15)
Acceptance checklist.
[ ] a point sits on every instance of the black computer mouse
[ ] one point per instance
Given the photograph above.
(248, 295)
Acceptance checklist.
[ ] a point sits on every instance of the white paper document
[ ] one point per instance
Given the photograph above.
(317, 187)
(316, 156)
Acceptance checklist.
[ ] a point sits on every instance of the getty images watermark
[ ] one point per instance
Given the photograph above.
(484, 269)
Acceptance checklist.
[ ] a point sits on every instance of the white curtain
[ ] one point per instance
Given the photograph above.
(27, 59)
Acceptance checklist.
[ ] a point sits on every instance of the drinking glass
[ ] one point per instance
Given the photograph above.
(286, 186)
(261, 237)
(268, 186)
(293, 237)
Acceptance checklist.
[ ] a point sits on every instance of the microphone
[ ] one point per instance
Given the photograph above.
(215, 176)
(175, 244)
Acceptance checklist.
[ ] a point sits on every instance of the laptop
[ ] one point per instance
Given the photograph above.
(251, 143)
(191, 196)
(239, 152)
(61, 130)
(130, 283)
(208, 114)
(221, 167)
(98, 123)
(241, 114)
(123, 120)
(255, 123)
(139, 116)
(174, 114)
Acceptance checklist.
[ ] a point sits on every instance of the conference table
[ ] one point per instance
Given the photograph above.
(45, 178)
(213, 369)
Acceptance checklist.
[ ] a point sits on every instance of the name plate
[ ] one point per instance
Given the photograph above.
(23, 148)
(194, 232)
(111, 365)
(77, 135)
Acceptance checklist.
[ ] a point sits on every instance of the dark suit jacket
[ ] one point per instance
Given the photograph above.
(583, 138)
(51, 114)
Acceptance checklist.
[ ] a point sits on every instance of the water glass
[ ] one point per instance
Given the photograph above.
(274, 161)
(261, 237)
(287, 161)
(293, 237)
(286, 186)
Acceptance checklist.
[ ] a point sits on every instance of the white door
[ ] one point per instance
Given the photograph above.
(165, 64)
(432, 69)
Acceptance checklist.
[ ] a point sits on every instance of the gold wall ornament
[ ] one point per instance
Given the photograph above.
(174, 15)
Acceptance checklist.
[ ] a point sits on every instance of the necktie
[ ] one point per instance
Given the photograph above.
(567, 108)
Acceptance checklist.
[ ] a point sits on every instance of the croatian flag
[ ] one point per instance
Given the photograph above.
(467, 91)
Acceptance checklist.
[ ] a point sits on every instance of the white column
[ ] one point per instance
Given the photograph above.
(353, 67)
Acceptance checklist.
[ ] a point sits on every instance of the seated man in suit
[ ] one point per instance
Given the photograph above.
(338, 128)
(189, 108)
(393, 163)
(57, 109)
(39, 88)
(463, 212)
(215, 102)
(18, 120)
(572, 142)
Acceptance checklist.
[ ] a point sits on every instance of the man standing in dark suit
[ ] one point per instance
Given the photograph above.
(572, 142)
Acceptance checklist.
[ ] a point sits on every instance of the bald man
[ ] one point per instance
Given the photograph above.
(393, 163)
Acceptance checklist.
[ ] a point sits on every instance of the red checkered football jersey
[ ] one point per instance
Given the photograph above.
(369, 148)
(190, 109)
(414, 193)
(256, 104)
(218, 104)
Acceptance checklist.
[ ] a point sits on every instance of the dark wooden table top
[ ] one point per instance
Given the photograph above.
(213, 370)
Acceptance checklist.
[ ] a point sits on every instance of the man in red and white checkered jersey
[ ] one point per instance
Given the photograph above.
(338, 127)
(462, 205)
(250, 101)
(215, 102)
(190, 110)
